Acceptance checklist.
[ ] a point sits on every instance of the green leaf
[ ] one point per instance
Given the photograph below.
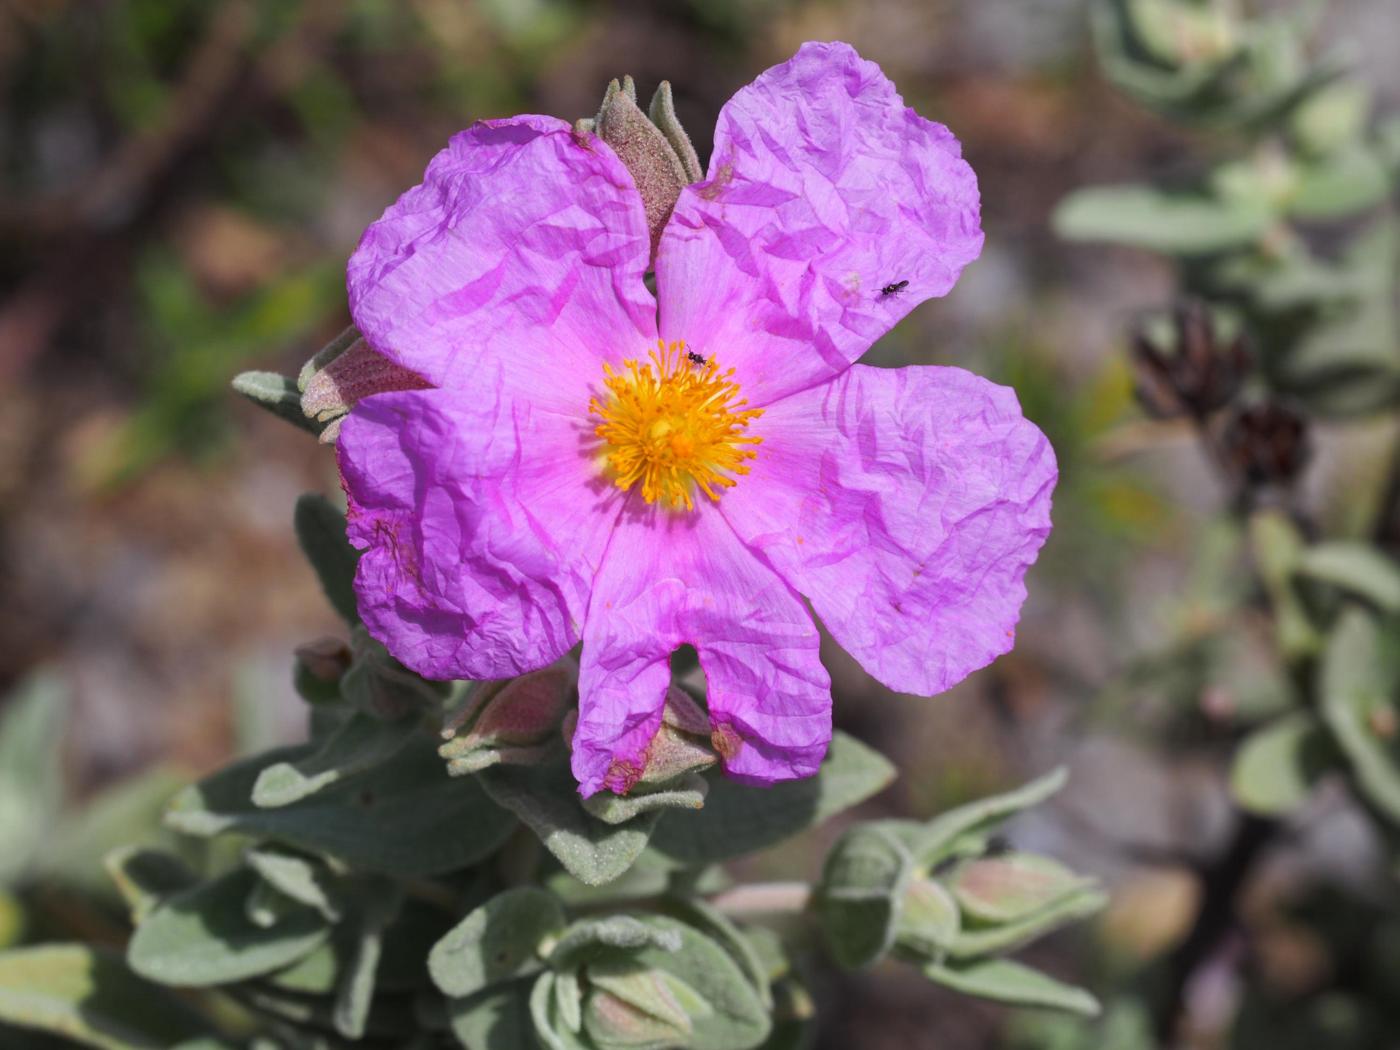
(1339, 185)
(87, 995)
(1278, 550)
(546, 798)
(320, 529)
(497, 1018)
(696, 913)
(305, 880)
(203, 936)
(497, 942)
(31, 773)
(1009, 936)
(1357, 568)
(861, 893)
(544, 1015)
(376, 907)
(1279, 765)
(1358, 680)
(406, 817)
(589, 938)
(1010, 982)
(129, 812)
(278, 394)
(685, 792)
(738, 819)
(147, 877)
(937, 839)
(1171, 223)
(1010, 887)
(360, 743)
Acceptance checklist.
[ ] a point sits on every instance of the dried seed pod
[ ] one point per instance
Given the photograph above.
(1267, 443)
(1196, 376)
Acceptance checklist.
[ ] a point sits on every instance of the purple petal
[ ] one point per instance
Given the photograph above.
(823, 190)
(907, 505)
(482, 522)
(673, 578)
(523, 241)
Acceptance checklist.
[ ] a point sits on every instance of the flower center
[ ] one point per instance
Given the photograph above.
(673, 425)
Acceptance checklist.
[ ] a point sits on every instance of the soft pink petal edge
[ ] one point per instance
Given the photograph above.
(907, 505)
(667, 580)
(823, 190)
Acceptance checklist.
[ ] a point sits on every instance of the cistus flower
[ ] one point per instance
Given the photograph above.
(594, 463)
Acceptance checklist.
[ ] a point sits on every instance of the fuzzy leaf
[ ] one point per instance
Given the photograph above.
(320, 529)
(1357, 568)
(686, 792)
(1172, 223)
(31, 781)
(497, 942)
(739, 819)
(1009, 936)
(146, 877)
(588, 938)
(1358, 680)
(497, 1018)
(88, 996)
(546, 798)
(928, 919)
(937, 838)
(375, 909)
(1010, 982)
(278, 394)
(406, 817)
(304, 879)
(203, 937)
(1279, 765)
(1346, 182)
(360, 743)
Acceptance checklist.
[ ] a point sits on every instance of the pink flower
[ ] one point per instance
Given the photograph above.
(594, 464)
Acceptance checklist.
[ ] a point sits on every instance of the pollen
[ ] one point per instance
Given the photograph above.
(674, 425)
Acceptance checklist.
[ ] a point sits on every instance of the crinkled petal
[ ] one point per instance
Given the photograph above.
(823, 189)
(907, 505)
(482, 520)
(671, 578)
(522, 242)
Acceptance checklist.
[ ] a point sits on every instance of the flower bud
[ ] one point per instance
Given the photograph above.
(928, 917)
(631, 1009)
(681, 745)
(1198, 374)
(1267, 443)
(511, 721)
(381, 686)
(319, 667)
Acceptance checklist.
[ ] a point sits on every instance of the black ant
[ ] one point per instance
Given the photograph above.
(694, 358)
(893, 289)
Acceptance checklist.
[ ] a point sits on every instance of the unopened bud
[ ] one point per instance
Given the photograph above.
(509, 722)
(1009, 887)
(319, 667)
(1267, 443)
(628, 1009)
(1196, 374)
(381, 686)
(660, 160)
(681, 745)
(346, 372)
(928, 917)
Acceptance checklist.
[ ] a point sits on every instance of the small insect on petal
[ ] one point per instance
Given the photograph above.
(893, 289)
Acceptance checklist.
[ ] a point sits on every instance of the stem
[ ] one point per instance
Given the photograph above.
(764, 898)
(1222, 882)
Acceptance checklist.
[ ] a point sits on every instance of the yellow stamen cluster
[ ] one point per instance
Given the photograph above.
(673, 424)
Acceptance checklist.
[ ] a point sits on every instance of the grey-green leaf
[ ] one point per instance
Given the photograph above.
(203, 937)
(359, 743)
(861, 893)
(320, 530)
(738, 819)
(546, 798)
(377, 906)
(88, 996)
(146, 877)
(497, 1018)
(1279, 764)
(304, 879)
(1357, 568)
(276, 393)
(1358, 682)
(1172, 223)
(405, 817)
(1006, 937)
(937, 838)
(31, 784)
(1006, 981)
(687, 792)
(497, 942)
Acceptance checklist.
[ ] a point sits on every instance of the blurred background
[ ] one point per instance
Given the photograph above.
(181, 182)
